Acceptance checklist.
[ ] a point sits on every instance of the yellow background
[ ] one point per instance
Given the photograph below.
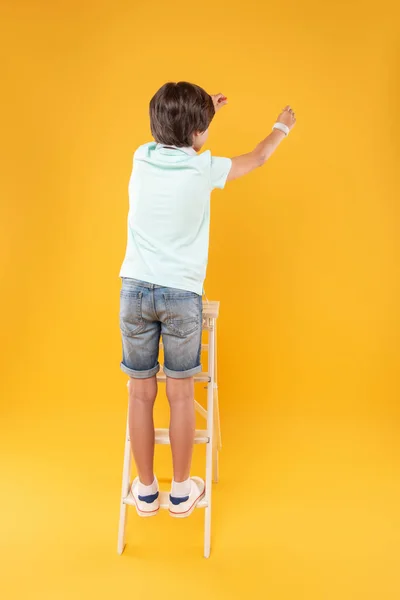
(304, 258)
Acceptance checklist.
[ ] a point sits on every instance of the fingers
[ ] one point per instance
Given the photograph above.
(290, 110)
(218, 98)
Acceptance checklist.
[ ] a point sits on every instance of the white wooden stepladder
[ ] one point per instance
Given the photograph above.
(211, 436)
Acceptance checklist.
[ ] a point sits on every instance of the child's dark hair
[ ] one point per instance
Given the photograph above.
(177, 110)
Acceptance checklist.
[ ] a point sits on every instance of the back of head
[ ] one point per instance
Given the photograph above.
(177, 111)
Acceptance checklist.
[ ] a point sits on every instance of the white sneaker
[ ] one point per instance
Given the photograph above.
(183, 507)
(146, 506)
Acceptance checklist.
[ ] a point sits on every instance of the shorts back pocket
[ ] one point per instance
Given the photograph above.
(183, 312)
(130, 315)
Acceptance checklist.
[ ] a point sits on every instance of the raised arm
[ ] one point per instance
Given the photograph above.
(245, 163)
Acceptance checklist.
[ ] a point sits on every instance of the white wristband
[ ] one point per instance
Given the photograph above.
(281, 127)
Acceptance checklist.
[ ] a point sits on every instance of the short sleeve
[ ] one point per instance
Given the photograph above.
(220, 168)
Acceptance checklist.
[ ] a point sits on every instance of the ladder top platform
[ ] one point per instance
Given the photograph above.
(211, 309)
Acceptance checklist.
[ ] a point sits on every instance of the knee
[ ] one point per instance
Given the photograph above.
(144, 398)
(180, 396)
(142, 394)
(180, 392)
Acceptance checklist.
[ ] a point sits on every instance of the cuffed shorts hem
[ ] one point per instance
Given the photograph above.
(140, 374)
(182, 374)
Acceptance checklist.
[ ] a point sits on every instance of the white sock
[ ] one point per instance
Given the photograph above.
(148, 490)
(180, 489)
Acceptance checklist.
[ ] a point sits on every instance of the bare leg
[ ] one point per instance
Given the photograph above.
(142, 394)
(180, 393)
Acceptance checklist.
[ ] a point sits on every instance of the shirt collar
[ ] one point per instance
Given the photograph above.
(188, 149)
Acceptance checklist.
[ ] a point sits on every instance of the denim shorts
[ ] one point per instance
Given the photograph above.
(148, 311)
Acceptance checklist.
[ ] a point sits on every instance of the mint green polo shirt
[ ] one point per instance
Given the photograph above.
(169, 215)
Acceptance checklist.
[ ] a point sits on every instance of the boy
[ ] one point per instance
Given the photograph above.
(163, 273)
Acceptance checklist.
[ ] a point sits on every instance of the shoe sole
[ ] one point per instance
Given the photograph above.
(189, 511)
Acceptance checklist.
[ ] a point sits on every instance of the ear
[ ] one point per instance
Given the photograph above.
(195, 138)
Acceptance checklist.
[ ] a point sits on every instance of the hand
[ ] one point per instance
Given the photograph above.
(287, 117)
(219, 100)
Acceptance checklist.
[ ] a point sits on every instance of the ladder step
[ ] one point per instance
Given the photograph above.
(164, 500)
(161, 377)
(201, 437)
